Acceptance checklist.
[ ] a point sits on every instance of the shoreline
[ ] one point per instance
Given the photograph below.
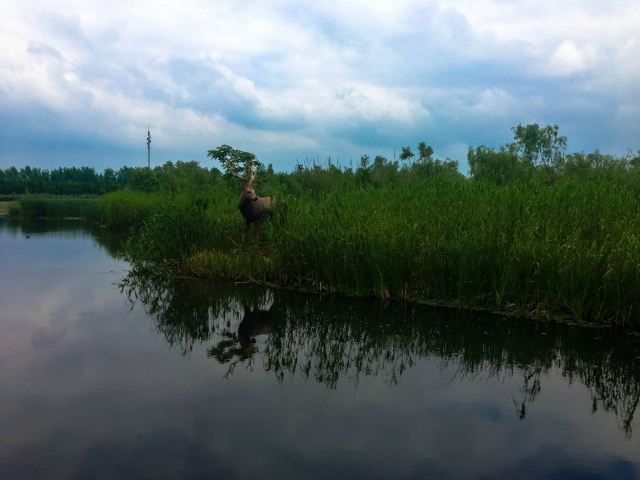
(512, 312)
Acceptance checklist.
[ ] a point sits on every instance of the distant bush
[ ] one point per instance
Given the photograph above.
(124, 210)
(48, 206)
(498, 166)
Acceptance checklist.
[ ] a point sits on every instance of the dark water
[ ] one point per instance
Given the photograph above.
(105, 374)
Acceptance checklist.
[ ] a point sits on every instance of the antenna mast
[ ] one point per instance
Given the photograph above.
(148, 148)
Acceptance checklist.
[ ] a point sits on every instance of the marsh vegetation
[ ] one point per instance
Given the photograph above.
(532, 230)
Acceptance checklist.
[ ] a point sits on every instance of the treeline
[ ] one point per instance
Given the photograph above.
(536, 155)
(86, 181)
(62, 181)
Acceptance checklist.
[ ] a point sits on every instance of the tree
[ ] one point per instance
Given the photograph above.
(497, 166)
(242, 165)
(425, 152)
(539, 146)
(144, 180)
(406, 154)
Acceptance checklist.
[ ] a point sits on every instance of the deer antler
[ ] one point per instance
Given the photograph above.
(251, 174)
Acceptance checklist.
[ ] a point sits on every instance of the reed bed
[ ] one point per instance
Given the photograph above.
(569, 249)
(6, 208)
(120, 211)
(56, 207)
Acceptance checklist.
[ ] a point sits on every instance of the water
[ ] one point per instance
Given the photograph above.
(107, 374)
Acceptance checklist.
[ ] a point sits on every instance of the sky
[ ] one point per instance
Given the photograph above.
(289, 81)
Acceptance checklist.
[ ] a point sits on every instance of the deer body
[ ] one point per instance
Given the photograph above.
(254, 323)
(241, 347)
(255, 209)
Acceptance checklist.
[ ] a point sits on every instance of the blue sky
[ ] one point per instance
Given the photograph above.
(80, 81)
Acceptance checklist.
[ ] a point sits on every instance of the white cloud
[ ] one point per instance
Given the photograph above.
(567, 60)
(296, 74)
(495, 102)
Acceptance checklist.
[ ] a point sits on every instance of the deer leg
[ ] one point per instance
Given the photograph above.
(257, 233)
(245, 231)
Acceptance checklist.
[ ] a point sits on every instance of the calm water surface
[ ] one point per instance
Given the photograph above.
(106, 374)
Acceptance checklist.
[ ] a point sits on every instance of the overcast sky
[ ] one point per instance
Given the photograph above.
(80, 81)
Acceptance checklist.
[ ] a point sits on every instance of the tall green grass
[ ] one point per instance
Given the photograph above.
(7, 208)
(56, 207)
(571, 248)
(120, 211)
(124, 209)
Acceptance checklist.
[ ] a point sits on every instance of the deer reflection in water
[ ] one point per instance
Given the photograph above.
(241, 346)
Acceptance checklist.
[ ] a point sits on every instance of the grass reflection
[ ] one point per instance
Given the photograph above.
(331, 339)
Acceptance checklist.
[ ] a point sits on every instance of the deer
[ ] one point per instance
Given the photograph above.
(240, 348)
(253, 208)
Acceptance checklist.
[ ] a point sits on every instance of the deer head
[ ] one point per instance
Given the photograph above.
(249, 193)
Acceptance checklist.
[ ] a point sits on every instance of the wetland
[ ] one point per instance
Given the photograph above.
(111, 373)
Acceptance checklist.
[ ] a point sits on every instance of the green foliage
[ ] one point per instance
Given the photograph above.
(143, 180)
(406, 154)
(165, 236)
(571, 248)
(235, 162)
(119, 211)
(425, 152)
(497, 166)
(86, 181)
(127, 210)
(539, 146)
(527, 233)
(186, 176)
(61, 181)
(57, 207)
(8, 208)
